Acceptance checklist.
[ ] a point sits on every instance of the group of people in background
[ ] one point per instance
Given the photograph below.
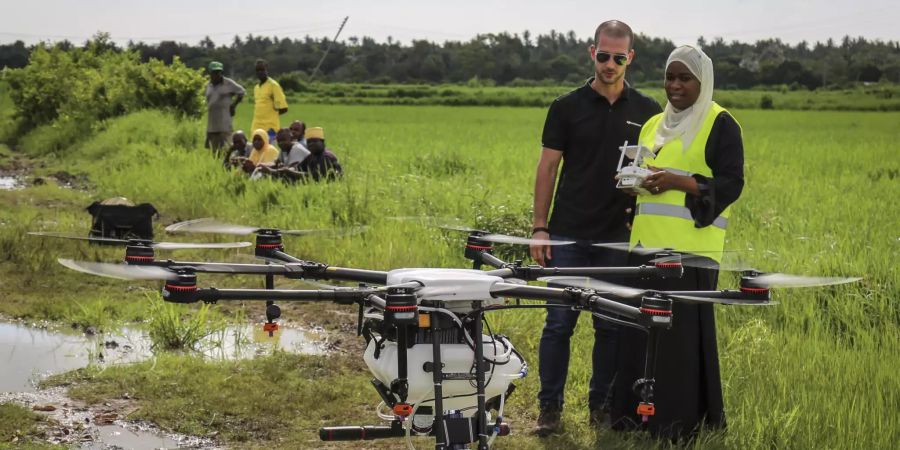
(293, 154)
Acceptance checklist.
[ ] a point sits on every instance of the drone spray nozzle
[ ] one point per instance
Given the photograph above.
(139, 252)
(182, 288)
(268, 241)
(656, 311)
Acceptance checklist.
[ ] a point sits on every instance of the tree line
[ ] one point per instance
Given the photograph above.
(514, 59)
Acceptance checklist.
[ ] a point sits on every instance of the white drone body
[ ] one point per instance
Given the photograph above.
(632, 176)
(460, 290)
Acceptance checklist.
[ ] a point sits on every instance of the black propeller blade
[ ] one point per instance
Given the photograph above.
(120, 271)
(157, 245)
(209, 225)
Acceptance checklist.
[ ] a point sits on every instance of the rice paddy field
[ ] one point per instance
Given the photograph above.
(818, 370)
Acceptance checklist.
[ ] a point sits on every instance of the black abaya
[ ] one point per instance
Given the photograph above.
(688, 389)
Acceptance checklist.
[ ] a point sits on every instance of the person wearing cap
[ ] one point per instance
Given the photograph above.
(321, 162)
(222, 97)
(269, 101)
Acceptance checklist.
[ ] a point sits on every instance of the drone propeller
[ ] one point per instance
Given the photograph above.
(120, 271)
(698, 254)
(783, 280)
(453, 225)
(759, 279)
(157, 245)
(209, 225)
(719, 300)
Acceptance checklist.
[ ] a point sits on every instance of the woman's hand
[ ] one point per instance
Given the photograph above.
(661, 181)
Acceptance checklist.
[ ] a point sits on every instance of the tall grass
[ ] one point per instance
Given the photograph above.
(816, 371)
(175, 327)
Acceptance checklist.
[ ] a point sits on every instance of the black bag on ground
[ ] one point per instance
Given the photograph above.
(122, 221)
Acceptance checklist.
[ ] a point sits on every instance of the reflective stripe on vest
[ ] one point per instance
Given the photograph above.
(662, 209)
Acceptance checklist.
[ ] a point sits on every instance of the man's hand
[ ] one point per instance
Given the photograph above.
(540, 253)
(248, 165)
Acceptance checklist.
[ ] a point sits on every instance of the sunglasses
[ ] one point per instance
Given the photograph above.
(618, 58)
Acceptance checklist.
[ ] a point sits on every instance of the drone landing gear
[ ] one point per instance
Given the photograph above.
(657, 316)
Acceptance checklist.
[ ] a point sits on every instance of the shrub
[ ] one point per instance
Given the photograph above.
(766, 102)
(87, 85)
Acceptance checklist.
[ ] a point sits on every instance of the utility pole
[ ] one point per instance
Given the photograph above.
(328, 49)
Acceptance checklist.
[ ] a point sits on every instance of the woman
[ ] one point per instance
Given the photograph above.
(699, 173)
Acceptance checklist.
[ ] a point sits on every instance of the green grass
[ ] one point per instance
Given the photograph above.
(20, 428)
(816, 371)
(878, 97)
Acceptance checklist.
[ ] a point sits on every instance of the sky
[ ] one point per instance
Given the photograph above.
(681, 21)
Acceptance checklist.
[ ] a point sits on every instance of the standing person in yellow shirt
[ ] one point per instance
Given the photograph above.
(269, 101)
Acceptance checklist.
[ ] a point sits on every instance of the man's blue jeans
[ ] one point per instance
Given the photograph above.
(560, 324)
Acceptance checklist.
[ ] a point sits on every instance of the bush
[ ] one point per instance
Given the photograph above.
(87, 85)
(766, 102)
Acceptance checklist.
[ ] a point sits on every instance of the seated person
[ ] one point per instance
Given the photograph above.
(321, 162)
(298, 130)
(288, 162)
(240, 148)
(263, 154)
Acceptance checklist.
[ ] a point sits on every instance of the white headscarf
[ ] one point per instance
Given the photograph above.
(686, 123)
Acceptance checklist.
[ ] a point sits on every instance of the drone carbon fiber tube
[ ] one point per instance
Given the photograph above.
(339, 296)
(564, 295)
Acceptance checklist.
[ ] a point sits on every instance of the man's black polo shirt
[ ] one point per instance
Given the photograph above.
(588, 130)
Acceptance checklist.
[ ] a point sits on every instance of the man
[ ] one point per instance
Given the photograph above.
(287, 164)
(222, 97)
(321, 162)
(269, 101)
(585, 128)
(298, 130)
(240, 148)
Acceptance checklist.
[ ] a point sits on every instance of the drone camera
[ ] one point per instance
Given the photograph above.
(139, 253)
(182, 289)
(656, 312)
(267, 242)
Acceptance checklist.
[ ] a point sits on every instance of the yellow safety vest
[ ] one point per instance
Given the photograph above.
(663, 220)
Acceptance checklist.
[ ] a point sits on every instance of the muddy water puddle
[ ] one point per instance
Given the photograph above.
(28, 354)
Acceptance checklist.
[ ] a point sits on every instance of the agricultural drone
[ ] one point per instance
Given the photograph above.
(437, 372)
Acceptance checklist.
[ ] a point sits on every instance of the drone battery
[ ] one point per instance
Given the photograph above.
(401, 307)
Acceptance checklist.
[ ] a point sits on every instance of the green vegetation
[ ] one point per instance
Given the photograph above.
(878, 97)
(816, 371)
(511, 59)
(21, 428)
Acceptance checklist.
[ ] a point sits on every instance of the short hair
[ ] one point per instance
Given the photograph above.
(283, 132)
(262, 61)
(615, 29)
